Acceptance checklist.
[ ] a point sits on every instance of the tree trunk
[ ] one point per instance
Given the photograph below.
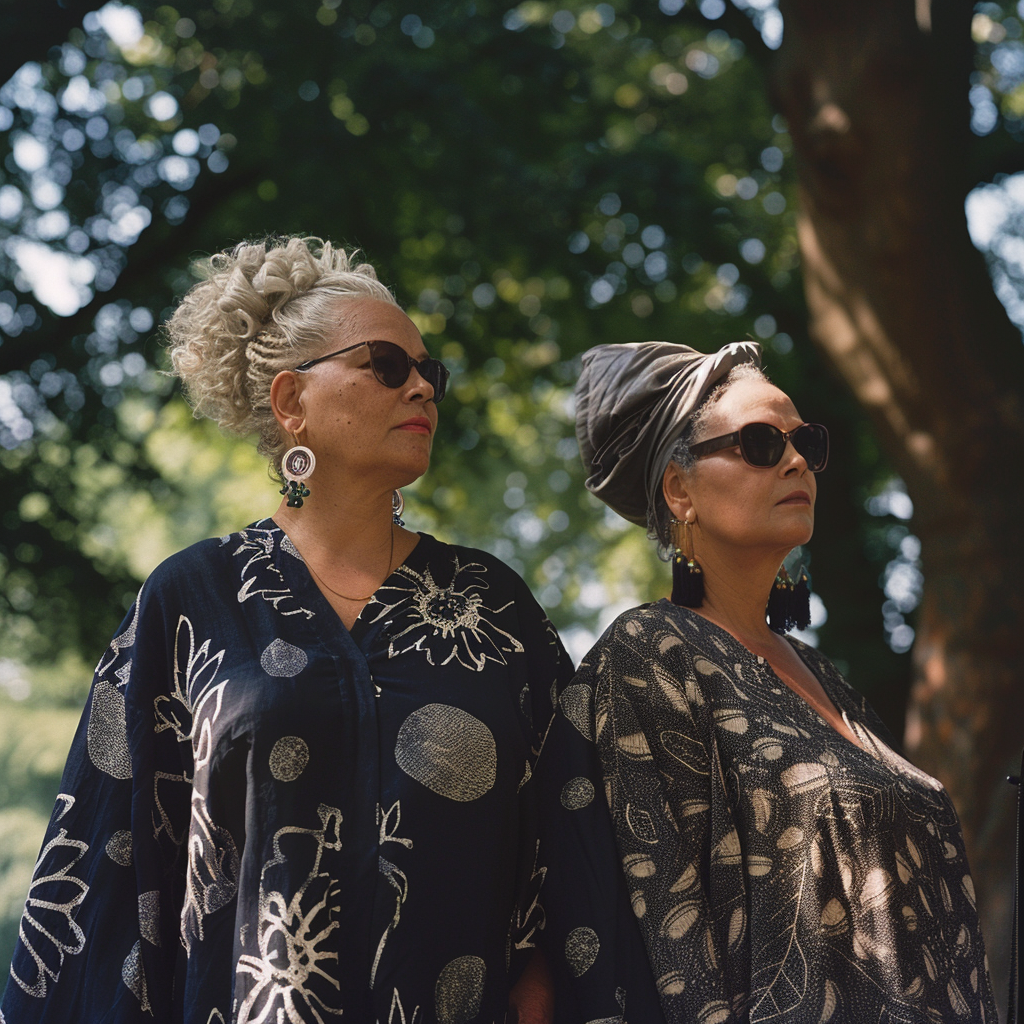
(900, 302)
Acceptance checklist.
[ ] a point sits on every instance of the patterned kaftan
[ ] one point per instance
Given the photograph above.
(268, 818)
(779, 872)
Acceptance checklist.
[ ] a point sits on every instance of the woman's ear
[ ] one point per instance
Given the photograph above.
(286, 402)
(676, 492)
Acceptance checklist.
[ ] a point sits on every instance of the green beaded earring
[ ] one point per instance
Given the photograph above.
(297, 467)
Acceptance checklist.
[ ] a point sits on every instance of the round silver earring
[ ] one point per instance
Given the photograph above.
(397, 507)
(297, 467)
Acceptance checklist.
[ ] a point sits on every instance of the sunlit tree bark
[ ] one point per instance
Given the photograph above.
(876, 98)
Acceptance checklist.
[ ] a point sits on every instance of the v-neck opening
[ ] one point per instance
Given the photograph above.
(761, 662)
(304, 585)
(412, 561)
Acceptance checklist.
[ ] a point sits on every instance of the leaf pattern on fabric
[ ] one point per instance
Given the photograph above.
(48, 928)
(336, 821)
(780, 873)
(390, 822)
(779, 986)
(213, 866)
(260, 576)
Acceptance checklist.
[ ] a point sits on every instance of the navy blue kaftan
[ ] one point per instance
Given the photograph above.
(266, 817)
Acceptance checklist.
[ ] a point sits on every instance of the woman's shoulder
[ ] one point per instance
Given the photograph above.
(668, 624)
(207, 561)
(648, 633)
(488, 569)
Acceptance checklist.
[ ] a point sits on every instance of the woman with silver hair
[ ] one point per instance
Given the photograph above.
(302, 787)
(784, 861)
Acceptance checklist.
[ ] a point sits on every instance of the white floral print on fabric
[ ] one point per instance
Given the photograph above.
(288, 758)
(122, 642)
(282, 659)
(288, 979)
(213, 868)
(107, 730)
(133, 975)
(189, 712)
(211, 880)
(119, 848)
(243, 742)
(581, 949)
(445, 621)
(149, 916)
(48, 928)
(260, 576)
(195, 670)
(389, 823)
(530, 917)
(397, 1014)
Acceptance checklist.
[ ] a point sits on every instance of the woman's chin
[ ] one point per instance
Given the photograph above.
(792, 538)
(409, 472)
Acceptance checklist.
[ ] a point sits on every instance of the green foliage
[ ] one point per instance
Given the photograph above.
(532, 181)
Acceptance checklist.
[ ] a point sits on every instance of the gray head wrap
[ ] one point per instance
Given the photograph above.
(632, 404)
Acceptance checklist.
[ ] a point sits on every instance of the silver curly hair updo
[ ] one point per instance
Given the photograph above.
(260, 308)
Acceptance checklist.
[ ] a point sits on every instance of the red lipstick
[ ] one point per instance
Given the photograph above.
(416, 425)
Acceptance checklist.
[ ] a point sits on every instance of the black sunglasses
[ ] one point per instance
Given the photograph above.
(391, 365)
(763, 445)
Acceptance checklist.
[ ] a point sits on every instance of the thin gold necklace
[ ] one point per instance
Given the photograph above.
(345, 597)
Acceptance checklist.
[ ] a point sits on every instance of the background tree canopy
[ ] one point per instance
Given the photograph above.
(532, 180)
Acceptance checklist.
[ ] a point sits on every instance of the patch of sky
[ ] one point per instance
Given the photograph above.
(995, 219)
(123, 24)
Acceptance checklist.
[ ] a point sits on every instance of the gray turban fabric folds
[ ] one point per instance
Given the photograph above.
(633, 402)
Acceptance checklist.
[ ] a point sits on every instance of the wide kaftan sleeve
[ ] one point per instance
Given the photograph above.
(677, 836)
(593, 947)
(99, 937)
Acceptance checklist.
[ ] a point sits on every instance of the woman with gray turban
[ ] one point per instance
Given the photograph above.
(783, 860)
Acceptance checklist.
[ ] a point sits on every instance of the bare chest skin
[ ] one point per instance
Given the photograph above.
(789, 667)
(349, 608)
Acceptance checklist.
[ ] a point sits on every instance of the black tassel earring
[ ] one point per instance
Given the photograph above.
(780, 602)
(802, 600)
(687, 576)
(789, 603)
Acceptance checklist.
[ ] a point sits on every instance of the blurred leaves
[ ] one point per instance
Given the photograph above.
(532, 179)
(532, 182)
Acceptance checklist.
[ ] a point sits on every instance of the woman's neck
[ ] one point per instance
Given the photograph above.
(352, 527)
(736, 595)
